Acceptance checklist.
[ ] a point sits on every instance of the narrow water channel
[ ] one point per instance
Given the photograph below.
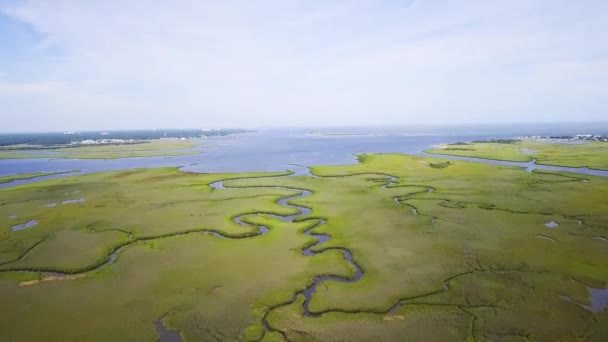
(312, 250)
(528, 166)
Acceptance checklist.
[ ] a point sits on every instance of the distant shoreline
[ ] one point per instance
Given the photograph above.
(28, 141)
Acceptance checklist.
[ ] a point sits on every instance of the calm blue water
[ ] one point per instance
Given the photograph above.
(266, 150)
(274, 149)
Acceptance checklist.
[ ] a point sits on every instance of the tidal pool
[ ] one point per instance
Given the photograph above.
(551, 224)
(25, 225)
(599, 299)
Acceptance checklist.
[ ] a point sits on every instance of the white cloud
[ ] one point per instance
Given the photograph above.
(192, 63)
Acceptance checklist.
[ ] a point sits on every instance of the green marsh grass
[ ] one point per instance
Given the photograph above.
(468, 264)
(588, 154)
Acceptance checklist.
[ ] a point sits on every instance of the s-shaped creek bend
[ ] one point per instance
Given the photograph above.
(310, 290)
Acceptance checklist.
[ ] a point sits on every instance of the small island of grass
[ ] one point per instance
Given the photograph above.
(591, 154)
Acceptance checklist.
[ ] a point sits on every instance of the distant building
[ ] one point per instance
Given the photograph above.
(102, 142)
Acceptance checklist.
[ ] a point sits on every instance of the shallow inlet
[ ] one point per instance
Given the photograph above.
(165, 335)
(528, 166)
(25, 225)
(597, 297)
(114, 256)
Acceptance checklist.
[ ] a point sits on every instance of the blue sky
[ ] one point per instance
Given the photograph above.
(75, 65)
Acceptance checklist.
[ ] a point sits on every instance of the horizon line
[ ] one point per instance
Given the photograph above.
(377, 125)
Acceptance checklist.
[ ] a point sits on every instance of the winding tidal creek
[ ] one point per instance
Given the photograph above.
(310, 250)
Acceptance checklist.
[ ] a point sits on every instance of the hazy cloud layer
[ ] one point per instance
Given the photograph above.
(125, 64)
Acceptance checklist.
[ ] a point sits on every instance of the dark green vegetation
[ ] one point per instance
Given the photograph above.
(439, 165)
(580, 154)
(448, 254)
(55, 139)
(459, 149)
